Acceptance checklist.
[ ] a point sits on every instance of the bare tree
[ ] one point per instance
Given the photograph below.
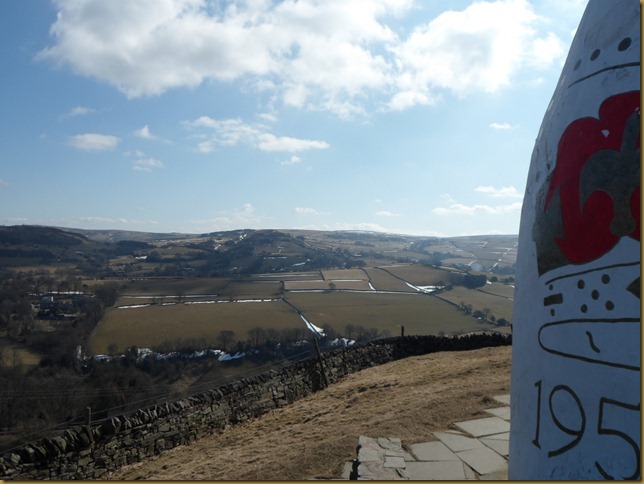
(225, 338)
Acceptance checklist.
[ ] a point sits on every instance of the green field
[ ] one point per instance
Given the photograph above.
(288, 276)
(173, 285)
(344, 274)
(305, 285)
(252, 289)
(421, 275)
(419, 313)
(382, 280)
(362, 285)
(498, 289)
(499, 306)
(153, 325)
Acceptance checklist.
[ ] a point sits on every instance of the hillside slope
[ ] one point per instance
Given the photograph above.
(313, 437)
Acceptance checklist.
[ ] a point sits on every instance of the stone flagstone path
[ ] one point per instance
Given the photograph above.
(476, 450)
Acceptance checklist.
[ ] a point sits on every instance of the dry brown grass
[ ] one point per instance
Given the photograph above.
(12, 352)
(313, 437)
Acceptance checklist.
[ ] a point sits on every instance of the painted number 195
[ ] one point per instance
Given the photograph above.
(609, 411)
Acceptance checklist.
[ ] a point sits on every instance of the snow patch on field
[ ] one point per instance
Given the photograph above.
(425, 289)
(135, 306)
(312, 327)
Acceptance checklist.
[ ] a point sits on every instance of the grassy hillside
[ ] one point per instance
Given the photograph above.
(315, 436)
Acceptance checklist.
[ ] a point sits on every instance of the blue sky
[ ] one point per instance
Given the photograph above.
(196, 116)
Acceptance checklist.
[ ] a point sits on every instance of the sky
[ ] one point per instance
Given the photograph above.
(196, 116)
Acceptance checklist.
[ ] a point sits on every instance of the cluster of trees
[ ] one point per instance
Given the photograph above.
(360, 334)
(52, 391)
(268, 343)
(470, 281)
(484, 313)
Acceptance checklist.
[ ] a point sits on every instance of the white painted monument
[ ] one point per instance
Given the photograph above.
(575, 391)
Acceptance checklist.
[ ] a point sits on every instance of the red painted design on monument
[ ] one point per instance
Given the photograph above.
(597, 178)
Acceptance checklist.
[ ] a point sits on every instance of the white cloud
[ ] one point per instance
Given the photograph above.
(501, 126)
(229, 132)
(385, 213)
(104, 222)
(408, 98)
(149, 46)
(503, 192)
(3, 183)
(146, 164)
(93, 141)
(270, 142)
(308, 211)
(546, 51)
(480, 48)
(15, 220)
(461, 209)
(293, 160)
(245, 217)
(144, 133)
(328, 55)
(268, 117)
(79, 111)
(137, 153)
(363, 226)
(456, 208)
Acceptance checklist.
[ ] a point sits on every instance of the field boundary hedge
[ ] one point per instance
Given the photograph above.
(91, 451)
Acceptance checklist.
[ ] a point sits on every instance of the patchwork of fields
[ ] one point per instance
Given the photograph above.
(152, 312)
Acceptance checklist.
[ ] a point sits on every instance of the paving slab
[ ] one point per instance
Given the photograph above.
(458, 442)
(482, 427)
(483, 460)
(470, 475)
(495, 476)
(436, 471)
(380, 459)
(395, 462)
(408, 457)
(501, 447)
(432, 451)
(346, 471)
(366, 454)
(501, 412)
(391, 443)
(503, 436)
(504, 399)
(375, 471)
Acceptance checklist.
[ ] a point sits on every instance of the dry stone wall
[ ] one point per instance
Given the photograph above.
(90, 451)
